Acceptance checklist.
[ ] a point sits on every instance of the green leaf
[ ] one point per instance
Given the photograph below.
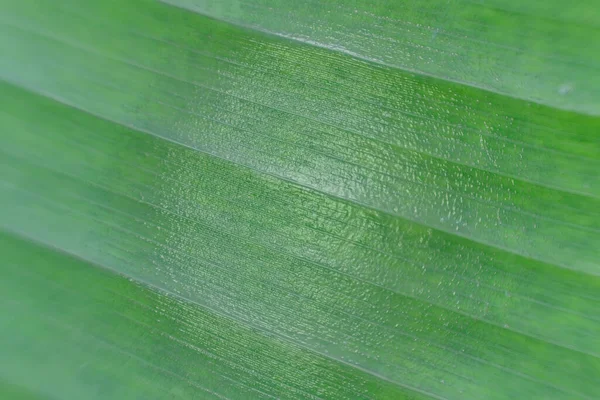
(194, 209)
(546, 52)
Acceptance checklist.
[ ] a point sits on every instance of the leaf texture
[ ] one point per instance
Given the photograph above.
(545, 52)
(195, 209)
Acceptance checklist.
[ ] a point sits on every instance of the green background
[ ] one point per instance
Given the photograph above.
(196, 209)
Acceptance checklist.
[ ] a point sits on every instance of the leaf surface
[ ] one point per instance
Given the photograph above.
(196, 209)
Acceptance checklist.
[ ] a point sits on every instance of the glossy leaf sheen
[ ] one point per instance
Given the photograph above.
(543, 51)
(194, 209)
